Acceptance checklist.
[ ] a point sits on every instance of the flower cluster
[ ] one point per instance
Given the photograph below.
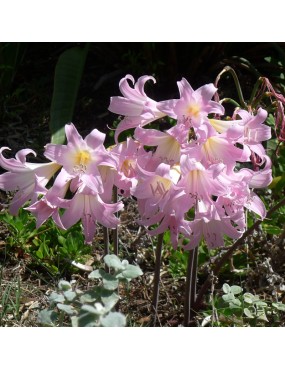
(192, 182)
(80, 188)
(189, 179)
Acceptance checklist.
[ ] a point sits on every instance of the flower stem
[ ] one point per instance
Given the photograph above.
(254, 91)
(106, 245)
(115, 231)
(236, 80)
(191, 281)
(229, 100)
(155, 296)
(230, 252)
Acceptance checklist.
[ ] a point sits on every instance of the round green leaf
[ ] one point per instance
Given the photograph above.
(248, 313)
(47, 317)
(64, 285)
(96, 274)
(110, 282)
(235, 289)
(113, 261)
(226, 288)
(113, 319)
(228, 297)
(69, 310)
(131, 272)
(279, 306)
(248, 298)
(56, 298)
(70, 295)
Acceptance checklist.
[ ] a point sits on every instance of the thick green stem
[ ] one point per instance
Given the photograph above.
(155, 296)
(230, 252)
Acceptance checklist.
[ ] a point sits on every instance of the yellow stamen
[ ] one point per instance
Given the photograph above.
(193, 110)
(128, 167)
(82, 158)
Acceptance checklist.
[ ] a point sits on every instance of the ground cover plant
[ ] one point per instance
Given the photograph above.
(184, 189)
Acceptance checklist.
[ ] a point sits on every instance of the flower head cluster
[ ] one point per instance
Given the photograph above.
(193, 179)
(79, 189)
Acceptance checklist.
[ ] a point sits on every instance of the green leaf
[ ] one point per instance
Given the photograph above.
(260, 304)
(261, 315)
(70, 295)
(235, 289)
(66, 308)
(271, 229)
(226, 288)
(109, 299)
(47, 317)
(248, 313)
(64, 285)
(131, 272)
(228, 297)
(85, 319)
(279, 306)
(96, 274)
(235, 303)
(113, 319)
(56, 298)
(97, 309)
(248, 298)
(113, 261)
(68, 74)
(90, 296)
(110, 282)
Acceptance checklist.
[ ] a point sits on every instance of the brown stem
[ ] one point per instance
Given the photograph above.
(229, 253)
(190, 289)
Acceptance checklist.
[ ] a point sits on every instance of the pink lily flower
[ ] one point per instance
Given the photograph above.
(138, 108)
(90, 208)
(201, 183)
(127, 155)
(28, 179)
(81, 158)
(157, 189)
(254, 131)
(168, 148)
(211, 223)
(193, 106)
(52, 200)
(211, 148)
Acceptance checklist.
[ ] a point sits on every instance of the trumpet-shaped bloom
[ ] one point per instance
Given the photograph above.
(168, 148)
(175, 224)
(127, 155)
(51, 201)
(138, 108)
(157, 189)
(201, 183)
(27, 179)
(90, 208)
(81, 158)
(211, 223)
(193, 105)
